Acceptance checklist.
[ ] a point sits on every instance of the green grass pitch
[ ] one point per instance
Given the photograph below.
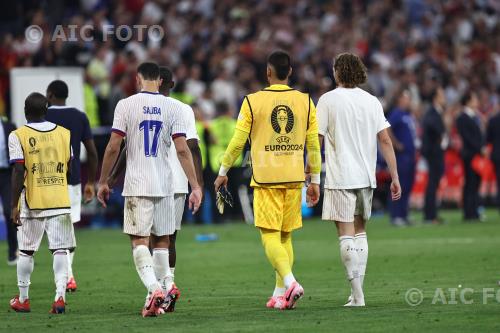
(225, 284)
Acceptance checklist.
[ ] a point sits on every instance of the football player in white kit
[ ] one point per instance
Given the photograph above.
(179, 177)
(150, 122)
(351, 123)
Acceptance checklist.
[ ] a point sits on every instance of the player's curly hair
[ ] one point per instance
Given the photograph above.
(350, 70)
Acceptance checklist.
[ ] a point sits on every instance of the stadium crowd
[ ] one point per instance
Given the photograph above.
(217, 50)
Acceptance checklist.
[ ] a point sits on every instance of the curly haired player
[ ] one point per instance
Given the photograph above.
(352, 122)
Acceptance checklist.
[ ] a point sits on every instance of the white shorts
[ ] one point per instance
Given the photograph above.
(343, 205)
(75, 198)
(180, 202)
(59, 229)
(149, 215)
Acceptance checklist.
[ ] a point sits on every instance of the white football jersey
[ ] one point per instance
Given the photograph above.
(180, 179)
(350, 119)
(149, 121)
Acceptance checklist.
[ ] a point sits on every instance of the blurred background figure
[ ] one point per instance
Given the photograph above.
(493, 138)
(6, 128)
(221, 130)
(434, 141)
(403, 135)
(469, 129)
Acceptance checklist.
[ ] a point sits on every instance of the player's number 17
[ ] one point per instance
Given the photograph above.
(148, 126)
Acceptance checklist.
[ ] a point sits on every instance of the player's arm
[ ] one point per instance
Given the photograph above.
(92, 161)
(387, 150)
(237, 143)
(16, 156)
(233, 150)
(68, 172)
(313, 156)
(110, 156)
(186, 160)
(196, 154)
(119, 167)
(395, 142)
(192, 142)
(118, 133)
(17, 187)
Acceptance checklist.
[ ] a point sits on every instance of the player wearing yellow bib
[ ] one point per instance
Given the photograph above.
(280, 123)
(41, 154)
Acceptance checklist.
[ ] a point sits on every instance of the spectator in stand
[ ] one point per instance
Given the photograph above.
(433, 146)
(403, 135)
(469, 129)
(118, 92)
(493, 138)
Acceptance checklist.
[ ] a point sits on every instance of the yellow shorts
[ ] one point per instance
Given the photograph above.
(277, 208)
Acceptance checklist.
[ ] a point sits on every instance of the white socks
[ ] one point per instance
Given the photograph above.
(349, 257)
(60, 265)
(279, 291)
(288, 280)
(25, 265)
(144, 266)
(70, 264)
(162, 268)
(361, 243)
(172, 270)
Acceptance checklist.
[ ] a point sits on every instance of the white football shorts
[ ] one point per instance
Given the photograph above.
(144, 216)
(343, 205)
(59, 229)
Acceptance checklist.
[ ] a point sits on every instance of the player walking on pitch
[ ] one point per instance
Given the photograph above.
(150, 122)
(77, 123)
(280, 122)
(351, 121)
(179, 177)
(41, 154)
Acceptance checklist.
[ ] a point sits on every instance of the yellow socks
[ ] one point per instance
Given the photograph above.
(279, 251)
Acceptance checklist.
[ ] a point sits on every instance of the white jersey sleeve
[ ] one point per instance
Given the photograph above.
(178, 124)
(191, 132)
(120, 119)
(15, 150)
(179, 177)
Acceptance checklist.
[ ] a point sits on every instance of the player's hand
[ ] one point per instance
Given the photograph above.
(220, 181)
(195, 199)
(88, 192)
(312, 195)
(307, 177)
(103, 194)
(395, 190)
(16, 217)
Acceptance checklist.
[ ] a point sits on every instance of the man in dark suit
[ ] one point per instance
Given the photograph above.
(5, 189)
(433, 144)
(493, 138)
(469, 129)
